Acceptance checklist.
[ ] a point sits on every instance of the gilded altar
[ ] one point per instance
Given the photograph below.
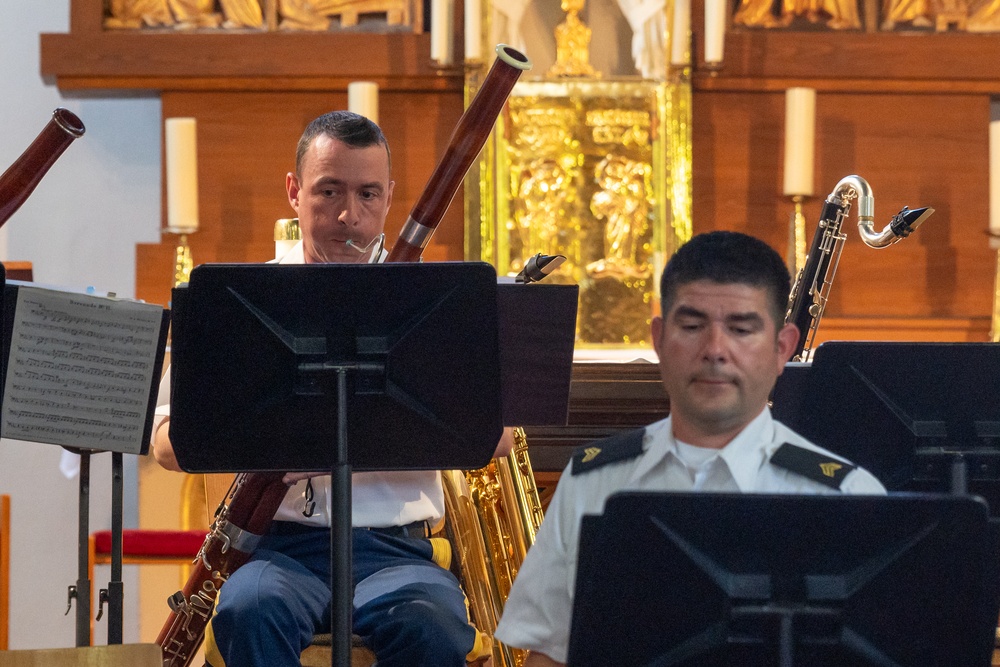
(583, 169)
(592, 164)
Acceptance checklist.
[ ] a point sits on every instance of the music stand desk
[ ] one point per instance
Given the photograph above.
(397, 365)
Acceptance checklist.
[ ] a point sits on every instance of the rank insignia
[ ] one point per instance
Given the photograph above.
(619, 447)
(816, 466)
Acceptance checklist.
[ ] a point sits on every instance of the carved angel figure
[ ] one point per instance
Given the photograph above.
(195, 14)
(315, 14)
(843, 13)
(756, 14)
(623, 203)
(985, 17)
(137, 13)
(914, 12)
(543, 192)
(242, 13)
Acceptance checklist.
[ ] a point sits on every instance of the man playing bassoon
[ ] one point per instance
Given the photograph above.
(408, 609)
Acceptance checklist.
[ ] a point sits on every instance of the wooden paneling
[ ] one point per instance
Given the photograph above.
(836, 59)
(246, 145)
(164, 60)
(926, 149)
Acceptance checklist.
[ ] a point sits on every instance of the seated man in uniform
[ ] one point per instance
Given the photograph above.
(722, 343)
(409, 610)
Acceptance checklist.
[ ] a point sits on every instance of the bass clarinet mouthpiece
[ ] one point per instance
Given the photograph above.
(539, 266)
(906, 221)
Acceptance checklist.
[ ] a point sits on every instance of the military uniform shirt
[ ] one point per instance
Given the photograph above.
(537, 613)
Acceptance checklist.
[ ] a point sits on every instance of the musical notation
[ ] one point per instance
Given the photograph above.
(80, 370)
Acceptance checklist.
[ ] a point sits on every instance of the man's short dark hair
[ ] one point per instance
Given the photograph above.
(727, 258)
(351, 128)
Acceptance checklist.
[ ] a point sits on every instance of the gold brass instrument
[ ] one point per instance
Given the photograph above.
(812, 286)
(492, 516)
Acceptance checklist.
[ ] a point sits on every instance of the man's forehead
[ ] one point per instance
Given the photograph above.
(707, 295)
(326, 152)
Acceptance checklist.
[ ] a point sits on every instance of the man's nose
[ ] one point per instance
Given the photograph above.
(716, 342)
(349, 214)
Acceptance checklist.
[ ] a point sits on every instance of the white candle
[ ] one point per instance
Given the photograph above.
(800, 140)
(182, 174)
(995, 184)
(473, 30)
(680, 38)
(442, 16)
(715, 29)
(362, 98)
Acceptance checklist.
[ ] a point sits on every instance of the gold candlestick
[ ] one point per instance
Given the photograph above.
(995, 320)
(797, 247)
(183, 263)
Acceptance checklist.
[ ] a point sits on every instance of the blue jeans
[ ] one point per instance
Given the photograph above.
(407, 609)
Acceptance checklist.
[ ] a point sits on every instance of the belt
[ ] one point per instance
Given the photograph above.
(417, 529)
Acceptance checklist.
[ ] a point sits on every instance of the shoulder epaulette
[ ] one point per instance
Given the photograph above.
(619, 447)
(813, 465)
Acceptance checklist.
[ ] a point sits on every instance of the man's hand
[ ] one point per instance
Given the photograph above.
(536, 659)
(292, 477)
(506, 443)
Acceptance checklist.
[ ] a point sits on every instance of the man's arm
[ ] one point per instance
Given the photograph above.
(541, 660)
(163, 450)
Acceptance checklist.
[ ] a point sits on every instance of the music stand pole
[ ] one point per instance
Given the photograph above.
(341, 598)
(116, 589)
(82, 589)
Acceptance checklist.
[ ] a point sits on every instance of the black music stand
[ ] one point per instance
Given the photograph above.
(748, 580)
(61, 371)
(919, 416)
(311, 356)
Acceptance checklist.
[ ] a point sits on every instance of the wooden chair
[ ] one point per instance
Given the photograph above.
(4, 572)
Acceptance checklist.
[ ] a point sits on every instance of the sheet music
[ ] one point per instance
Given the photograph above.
(80, 370)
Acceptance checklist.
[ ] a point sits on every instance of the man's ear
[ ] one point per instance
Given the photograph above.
(788, 339)
(292, 187)
(656, 331)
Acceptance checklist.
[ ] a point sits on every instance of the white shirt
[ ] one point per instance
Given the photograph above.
(537, 613)
(378, 499)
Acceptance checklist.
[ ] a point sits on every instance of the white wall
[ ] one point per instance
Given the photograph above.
(78, 229)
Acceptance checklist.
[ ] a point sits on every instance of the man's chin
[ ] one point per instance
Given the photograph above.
(339, 253)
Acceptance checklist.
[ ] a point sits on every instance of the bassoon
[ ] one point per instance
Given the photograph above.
(20, 179)
(249, 507)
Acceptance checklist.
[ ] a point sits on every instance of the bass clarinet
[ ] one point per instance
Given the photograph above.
(812, 286)
(246, 513)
